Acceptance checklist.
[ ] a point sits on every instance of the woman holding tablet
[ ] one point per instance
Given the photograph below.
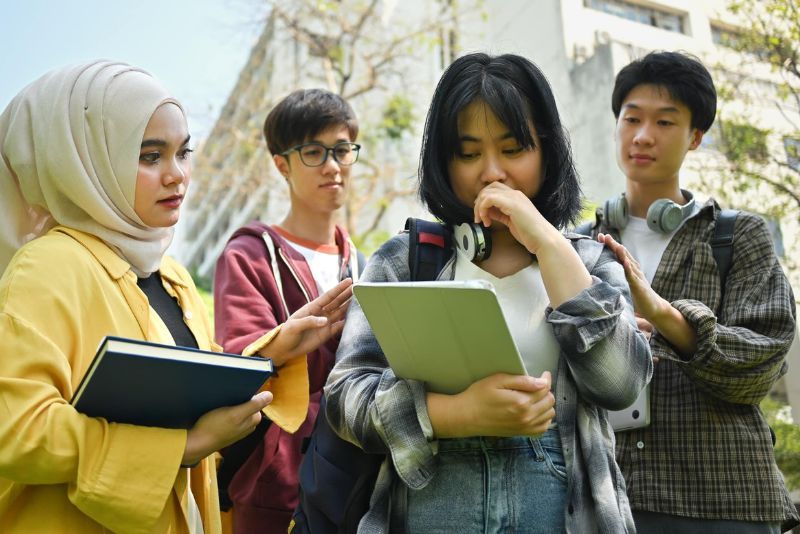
(510, 452)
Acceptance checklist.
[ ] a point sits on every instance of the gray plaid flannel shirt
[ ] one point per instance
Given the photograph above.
(708, 451)
(604, 364)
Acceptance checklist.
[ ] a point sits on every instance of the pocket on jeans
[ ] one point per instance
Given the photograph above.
(555, 461)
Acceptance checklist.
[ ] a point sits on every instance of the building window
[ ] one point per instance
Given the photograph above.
(658, 18)
(724, 37)
(731, 38)
(792, 147)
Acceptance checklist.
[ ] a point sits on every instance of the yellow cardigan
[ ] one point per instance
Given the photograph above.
(61, 471)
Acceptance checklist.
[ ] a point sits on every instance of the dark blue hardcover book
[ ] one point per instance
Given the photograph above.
(149, 384)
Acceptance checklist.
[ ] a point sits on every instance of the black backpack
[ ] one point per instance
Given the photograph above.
(337, 477)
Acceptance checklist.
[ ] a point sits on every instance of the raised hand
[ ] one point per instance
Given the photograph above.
(312, 325)
(499, 202)
(223, 426)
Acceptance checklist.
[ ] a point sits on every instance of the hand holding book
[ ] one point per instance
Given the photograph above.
(223, 426)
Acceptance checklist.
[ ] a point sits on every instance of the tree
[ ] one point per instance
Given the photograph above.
(758, 120)
(383, 56)
(365, 53)
(787, 440)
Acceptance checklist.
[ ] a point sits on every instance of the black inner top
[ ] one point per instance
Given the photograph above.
(168, 309)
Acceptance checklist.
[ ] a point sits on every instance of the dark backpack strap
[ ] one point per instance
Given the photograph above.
(722, 243)
(429, 248)
(722, 248)
(588, 227)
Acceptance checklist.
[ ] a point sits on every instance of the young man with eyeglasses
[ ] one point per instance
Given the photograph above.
(267, 278)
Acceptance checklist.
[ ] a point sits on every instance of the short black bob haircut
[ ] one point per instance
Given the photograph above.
(682, 75)
(305, 113)
(519, 95)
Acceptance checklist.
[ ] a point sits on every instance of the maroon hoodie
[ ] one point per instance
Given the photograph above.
(247, 305)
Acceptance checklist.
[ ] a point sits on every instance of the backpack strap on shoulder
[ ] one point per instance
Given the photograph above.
(722, 243)
(429, 246)
(357, 262)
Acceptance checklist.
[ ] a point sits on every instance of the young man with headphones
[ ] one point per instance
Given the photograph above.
(705, 463)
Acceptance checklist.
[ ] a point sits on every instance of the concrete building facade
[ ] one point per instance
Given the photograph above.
(579, 44)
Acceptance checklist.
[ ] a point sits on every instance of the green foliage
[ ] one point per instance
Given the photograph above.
(740, 141)
(587, 211)
(787, 446)
(774, 32)
(792, 146)
(370, 242)
(208, 300)
(755, 166)
(398, 117)
(202, 282)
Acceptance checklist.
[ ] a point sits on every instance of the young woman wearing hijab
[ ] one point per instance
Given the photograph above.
(95, 165)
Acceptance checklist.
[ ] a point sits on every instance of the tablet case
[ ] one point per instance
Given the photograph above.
(447, 334)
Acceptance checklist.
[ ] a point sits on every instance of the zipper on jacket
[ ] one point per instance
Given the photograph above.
(294, 274)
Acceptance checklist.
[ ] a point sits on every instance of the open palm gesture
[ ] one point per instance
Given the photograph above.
(312, 325)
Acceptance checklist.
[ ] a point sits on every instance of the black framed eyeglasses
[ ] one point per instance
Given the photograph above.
(316, 154)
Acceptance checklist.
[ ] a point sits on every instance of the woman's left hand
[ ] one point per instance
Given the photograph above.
(510, 207)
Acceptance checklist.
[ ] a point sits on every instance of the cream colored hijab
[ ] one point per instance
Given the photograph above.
(70, 149)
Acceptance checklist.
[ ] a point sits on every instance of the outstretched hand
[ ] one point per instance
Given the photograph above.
(312, 325)
(653, 313)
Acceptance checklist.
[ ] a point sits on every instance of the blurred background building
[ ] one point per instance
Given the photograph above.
(386, 57)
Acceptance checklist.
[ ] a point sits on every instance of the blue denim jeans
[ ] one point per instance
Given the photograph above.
(493, 485)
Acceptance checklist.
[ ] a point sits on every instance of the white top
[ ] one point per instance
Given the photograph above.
(323, 260)
(523, 299)
(647, 245)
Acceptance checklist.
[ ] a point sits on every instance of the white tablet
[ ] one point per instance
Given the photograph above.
(637, 415)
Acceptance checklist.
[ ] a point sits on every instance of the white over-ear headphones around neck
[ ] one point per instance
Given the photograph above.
(663, 215)
(474, 240)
